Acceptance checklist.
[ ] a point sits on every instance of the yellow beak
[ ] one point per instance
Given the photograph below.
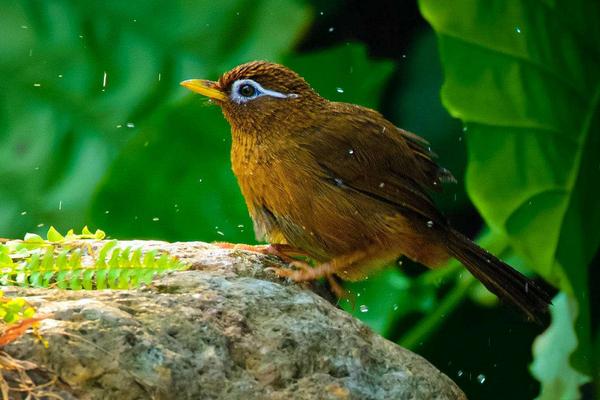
(205, 88)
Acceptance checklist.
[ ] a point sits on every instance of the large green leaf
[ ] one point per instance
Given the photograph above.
(82, 77)
(174, 180)
(524, 76)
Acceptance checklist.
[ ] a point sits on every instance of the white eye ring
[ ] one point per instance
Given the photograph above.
(259, 91)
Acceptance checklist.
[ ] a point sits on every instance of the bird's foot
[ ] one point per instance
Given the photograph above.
(301, 271)
(297, 271)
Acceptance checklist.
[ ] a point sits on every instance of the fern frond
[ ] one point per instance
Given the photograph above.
(69, 262)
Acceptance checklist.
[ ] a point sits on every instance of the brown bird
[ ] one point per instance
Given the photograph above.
(341, 184)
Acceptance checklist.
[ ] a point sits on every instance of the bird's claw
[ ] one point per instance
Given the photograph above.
(297, 271)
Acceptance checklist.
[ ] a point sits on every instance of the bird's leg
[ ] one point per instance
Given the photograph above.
(328, 270)
(305, 272)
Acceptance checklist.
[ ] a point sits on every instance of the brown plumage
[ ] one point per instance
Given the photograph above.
(342, 184)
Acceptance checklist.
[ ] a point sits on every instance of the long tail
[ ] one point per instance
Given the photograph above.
(500, 278)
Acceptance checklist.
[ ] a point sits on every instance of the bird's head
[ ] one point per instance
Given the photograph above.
(260, 97)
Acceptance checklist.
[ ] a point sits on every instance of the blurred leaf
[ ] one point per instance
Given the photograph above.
(85, 75)
(385, 297)
(526, 81)
(344, 73)
(180, 186)
(461, 284)
(552, 350)
(54, 236)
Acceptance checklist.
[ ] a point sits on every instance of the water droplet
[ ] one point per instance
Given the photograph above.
(106, 212)
(40, 225)
(399, 262)
(240, 226)
(460, 138)
(350, 151)
(395, 307)
(60, 75)
(146, 143)
(104, 79)
(465, 128)
(24, 27)
(293, 96)
(364, 308)
(430, 224)
(481, 379)
(200, 180)
(403, 55)
(381, 184)
(155, 219)
(220, 233)
(119, 126)
(331, 29)
(60, 205)
(338, 181)
(37, 84)
(321, 13)
(130, 125)
(383, 130)
(339, 90)
(517, 29)
(24, 213)
(159, 76)
(460, 373)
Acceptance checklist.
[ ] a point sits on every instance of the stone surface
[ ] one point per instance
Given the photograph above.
(227, 329)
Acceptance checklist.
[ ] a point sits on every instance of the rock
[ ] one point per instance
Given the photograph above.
(227, 329)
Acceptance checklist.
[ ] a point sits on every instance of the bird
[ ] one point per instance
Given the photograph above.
(340, 184)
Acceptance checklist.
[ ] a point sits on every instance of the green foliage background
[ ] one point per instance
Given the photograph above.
(94, 129)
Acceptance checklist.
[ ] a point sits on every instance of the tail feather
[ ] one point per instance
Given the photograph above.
(500, 278)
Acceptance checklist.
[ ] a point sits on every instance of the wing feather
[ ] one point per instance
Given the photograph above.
(360, 149)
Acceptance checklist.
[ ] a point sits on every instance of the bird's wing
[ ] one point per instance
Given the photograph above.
(357, 148)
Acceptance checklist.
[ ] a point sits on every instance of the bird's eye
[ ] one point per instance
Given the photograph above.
(247, 90)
